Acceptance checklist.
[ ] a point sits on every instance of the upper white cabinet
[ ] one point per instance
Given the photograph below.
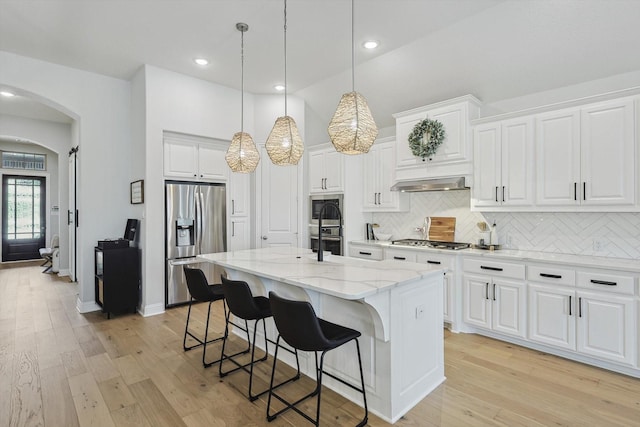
(586, 156)
(191, 160)
(378, 176)
(503, 163)
(326, 171)
(238, 208)
(454, 156)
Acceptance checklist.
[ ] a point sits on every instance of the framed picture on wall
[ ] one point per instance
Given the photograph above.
(137, 192)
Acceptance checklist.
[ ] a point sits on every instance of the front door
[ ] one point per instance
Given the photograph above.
(23, 217)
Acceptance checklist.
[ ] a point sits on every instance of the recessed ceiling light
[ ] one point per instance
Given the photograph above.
(370, 44)
(201, 61)
(7, 93)
(279, 88)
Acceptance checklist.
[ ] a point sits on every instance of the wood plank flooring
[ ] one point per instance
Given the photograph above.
(62, 368)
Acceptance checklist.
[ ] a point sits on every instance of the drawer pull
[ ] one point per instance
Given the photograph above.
(494, 291)
(484, 267)
(486, 291)
(580, 307)
(365, 253)
(569, 305)
(401, 258)
(603, 282)
(433, 262)
(551, 276)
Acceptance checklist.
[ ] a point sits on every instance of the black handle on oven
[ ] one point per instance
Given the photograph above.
(484, 267)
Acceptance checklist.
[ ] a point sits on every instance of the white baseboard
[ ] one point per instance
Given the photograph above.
(63, 273)
(151, 310)
(87, 307)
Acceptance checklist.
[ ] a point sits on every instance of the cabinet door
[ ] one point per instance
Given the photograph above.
(476, 302)
(607, 153)
(238, 236)
(386, 172)
(558, 158)
(400, 255)
(333, 171)
(239, 190)
(509, 307)
(180, 159)
(447, 301)
(517, 162)
(370, 178)
(552, 316)
(454, 148)
(316, 171)
(607, 327)
(486, 165)
(404, 126)
(211, 163)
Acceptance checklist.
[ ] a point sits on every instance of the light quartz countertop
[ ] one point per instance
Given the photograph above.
(624, 264)
(343, 277)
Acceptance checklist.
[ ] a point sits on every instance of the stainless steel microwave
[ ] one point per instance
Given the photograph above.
(331, 215)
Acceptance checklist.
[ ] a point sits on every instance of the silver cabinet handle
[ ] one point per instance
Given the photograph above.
(233, 228)
(233, 207)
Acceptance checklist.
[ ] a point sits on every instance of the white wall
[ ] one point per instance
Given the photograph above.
(101, 107)
(52, 139)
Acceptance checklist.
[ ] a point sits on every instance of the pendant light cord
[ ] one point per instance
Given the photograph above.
(353, 50)
(242, 81)
(285, 57)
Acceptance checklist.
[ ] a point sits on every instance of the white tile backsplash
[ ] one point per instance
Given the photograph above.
(601, 234)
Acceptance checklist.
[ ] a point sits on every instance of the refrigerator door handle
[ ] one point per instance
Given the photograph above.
(198, 200)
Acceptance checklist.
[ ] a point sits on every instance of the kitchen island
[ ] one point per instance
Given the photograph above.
(397, 306)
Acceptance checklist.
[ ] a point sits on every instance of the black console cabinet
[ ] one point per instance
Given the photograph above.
(117, 279)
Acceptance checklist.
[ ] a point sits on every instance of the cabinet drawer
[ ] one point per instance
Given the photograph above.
(551, 274)
(400, 255)
(494, 268)
(606, 282)
(444, 261)
(366, 252)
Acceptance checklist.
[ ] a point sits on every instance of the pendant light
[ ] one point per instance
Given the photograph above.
(284, 145)
(242, 155)
(352, 129)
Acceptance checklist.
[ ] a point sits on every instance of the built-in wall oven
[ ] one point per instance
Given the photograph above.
(332, 232)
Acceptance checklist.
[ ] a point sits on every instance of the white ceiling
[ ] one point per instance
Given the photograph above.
(430, 50)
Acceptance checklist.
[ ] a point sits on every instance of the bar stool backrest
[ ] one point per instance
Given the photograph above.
(298, 324)
(240, 299)
(198, 284)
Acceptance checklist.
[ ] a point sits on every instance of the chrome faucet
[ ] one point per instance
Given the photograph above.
(324, 206)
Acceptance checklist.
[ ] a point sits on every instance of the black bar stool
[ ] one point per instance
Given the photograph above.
(243, 305)
(202, 291)
(299, 327)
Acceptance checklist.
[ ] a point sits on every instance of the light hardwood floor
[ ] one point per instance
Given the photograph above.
(62, 368)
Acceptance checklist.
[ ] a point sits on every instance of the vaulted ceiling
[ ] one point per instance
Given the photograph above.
(430, 50)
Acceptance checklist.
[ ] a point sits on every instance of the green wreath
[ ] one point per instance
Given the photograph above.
(425, 138)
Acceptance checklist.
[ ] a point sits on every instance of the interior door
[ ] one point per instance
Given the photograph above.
(23, 217)
(279, 203)
(72, 212)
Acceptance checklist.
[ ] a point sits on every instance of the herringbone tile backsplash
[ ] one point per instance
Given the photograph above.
(601, 234)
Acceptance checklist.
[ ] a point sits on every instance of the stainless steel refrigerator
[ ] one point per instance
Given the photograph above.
(195, 223)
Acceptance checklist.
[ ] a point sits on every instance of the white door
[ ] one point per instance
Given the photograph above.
(316, 171)
(517, 162)
(487, 174)
(370, 178)
(238, 237)
(386, 175)
(606, 326)
(180, 158)
(239, 191)
(552, 316)
(279, 207)
(454, 146)
(509, 308)
(607, 154)
(211, 163)
(71, 214)
(558, 158)
(334, 171)
(477, 307)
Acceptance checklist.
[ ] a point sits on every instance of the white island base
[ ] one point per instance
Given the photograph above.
(396, 305)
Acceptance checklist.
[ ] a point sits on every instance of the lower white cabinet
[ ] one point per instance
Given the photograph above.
(371, 252)
(238, 236)
(593, 323)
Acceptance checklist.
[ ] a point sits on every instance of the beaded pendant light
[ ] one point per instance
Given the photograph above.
(242, 155)
(352, 129)
(284, 144)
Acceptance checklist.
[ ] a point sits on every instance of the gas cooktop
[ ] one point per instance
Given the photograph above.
(431, 244)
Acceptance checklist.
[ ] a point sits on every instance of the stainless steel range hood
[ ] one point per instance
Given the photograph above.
(439, 184)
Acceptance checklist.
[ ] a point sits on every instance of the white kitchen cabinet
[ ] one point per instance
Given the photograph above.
(197, 161)
(454, 156)
(494, 296)
(372, 252)
(586, 156)
(378, 177)
(326, 171)
(448, 262)
(596, 317)
(400, 254)
(238, 208)
(503, 167)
